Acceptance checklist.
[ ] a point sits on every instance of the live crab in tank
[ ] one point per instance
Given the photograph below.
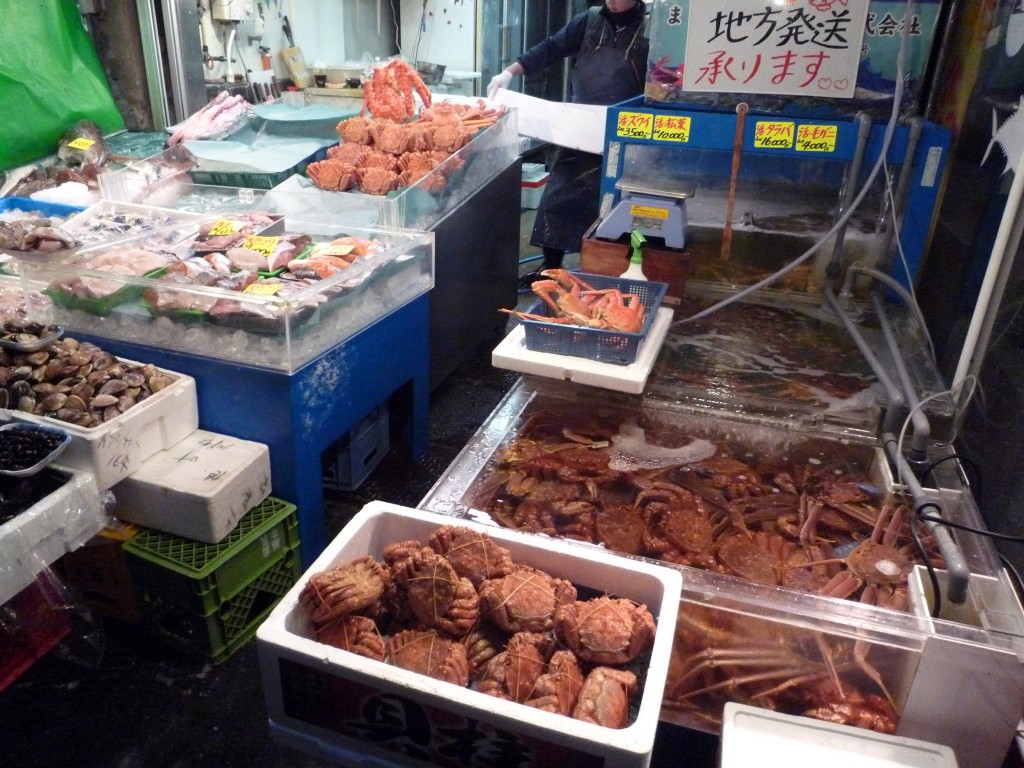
(458, 608)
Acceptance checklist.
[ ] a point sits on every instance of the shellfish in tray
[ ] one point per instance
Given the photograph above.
(458, 608)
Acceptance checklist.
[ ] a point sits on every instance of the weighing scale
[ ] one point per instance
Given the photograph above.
(655, 208)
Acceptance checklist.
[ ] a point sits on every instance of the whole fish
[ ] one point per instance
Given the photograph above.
(83, 144)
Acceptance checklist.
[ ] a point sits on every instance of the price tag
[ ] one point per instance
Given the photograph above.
(224, 227)
(264, 244)
(261, 288)
(817, 138)
(672, 128)
(81, 143)
(634, 125)
(774, 134)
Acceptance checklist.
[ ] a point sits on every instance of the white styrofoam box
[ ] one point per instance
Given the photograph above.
(532, 189)
(512, 354)
(54, 525)
(117, 448)
(198, 488)
(321, 695)
(754, 736)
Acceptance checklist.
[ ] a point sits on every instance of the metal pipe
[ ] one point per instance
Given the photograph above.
(896, 401)
(863, 132)
(902, 189)
(956, 566)
(922, 429)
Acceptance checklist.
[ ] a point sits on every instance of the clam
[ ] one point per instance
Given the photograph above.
(53, 402)
(103, 400)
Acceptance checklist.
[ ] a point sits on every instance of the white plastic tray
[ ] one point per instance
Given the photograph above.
(753, 736)
(513, 355)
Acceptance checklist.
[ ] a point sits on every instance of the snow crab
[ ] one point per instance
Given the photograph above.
(389, 91)
(573, 301)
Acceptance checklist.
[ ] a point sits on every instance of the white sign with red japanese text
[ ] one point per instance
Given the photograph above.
(789, 47)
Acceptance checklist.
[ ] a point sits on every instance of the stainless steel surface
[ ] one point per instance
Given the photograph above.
(184, 58)
(155, 84)
(677, 189)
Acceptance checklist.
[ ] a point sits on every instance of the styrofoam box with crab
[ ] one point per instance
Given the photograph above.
(330, 702)
(118, 447)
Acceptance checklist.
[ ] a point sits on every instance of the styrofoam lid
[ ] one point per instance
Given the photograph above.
(753, 736)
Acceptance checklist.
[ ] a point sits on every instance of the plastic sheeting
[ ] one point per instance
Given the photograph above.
(50, 77)
(38, 536)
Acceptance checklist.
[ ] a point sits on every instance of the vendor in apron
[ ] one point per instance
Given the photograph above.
(610, 65)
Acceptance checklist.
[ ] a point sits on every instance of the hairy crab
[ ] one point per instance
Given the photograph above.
(605, 630)
(524, 601)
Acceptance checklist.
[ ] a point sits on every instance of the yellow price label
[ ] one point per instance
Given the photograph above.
(262, 288)
(817, 138)
(634, 125)
(81, 143)
(264, 244)
(672, 128)
(647, 212)
(224, 227)
(774, 134)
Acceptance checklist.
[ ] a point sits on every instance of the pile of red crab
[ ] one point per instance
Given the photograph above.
(378, 155)
(459, 609)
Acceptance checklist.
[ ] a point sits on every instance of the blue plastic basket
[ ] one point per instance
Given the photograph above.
(38, 206)
(602, 346)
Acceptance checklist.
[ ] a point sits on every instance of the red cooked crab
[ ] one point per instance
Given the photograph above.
(524, 601)
(605, 630)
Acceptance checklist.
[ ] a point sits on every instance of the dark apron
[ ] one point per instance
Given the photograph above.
(603, 74)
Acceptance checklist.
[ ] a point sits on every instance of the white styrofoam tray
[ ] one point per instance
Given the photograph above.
(117, 448)
(199, 487)
(513, 355)
(754, 736)
(295, 667)
(92, 226)
(58, 523)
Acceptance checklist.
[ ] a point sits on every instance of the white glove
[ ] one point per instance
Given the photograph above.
(501, 80)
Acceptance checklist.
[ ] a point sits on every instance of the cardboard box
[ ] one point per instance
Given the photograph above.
(752, 54)
(117, 448)
(322, 699)
(198, 488)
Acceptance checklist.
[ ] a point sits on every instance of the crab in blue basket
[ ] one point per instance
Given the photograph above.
(573, 301)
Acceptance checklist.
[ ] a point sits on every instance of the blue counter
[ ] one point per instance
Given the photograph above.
(299, 415)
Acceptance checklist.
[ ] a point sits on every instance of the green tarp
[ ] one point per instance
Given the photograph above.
(50, 77)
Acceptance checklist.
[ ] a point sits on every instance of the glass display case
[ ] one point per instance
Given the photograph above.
(140, 290)
(780, 608)
(164, 180)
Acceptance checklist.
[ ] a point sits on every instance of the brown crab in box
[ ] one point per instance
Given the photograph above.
(458, 608)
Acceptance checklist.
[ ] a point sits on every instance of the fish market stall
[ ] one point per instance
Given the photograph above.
(467, 196)
(291, 344)
(846, 634)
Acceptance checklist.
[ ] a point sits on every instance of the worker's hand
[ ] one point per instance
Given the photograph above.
(501, 80)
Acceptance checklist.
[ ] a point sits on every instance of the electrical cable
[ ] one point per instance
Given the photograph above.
(958, 457)
(933, 577)
(890, 128)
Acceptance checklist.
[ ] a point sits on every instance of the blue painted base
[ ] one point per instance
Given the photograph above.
(299, 415)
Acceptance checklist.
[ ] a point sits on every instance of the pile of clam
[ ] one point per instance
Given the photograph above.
(459, 609)
(75, 382)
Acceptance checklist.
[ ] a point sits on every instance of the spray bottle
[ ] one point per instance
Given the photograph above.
(636, 270)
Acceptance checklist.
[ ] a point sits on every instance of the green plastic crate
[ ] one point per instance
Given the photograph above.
(228, 627)
(200, 577)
